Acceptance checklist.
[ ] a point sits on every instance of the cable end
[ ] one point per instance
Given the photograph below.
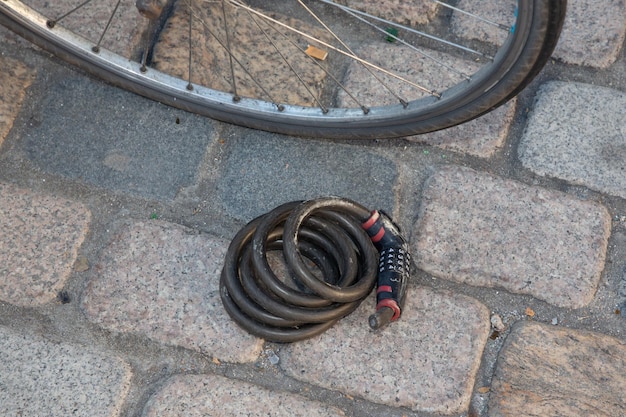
(381, 318)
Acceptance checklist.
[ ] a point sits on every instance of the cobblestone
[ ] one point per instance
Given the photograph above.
(487, 231)
(262, 172)
(39, 242)
(39, 377)
(15, 78)
(577, 132)
(202, 395)
(545, 370)
(401, 366)
(127, 158)
(581, 43)
(161, 280)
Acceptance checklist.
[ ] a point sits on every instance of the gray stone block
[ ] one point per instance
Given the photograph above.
(15, 78)
(577, 132)
(43, 378)
(211, 395)
(39, 240)
(161, 280)
(488, 231)
(593, 32)
(124, 143)
(426, 361)
(547, 371)
(263, 171)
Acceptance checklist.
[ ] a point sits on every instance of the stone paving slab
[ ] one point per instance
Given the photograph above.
(39, 240)
(549, 371)
(262, 171)
(487, 231)
(481, 137)
(90, 131)
(43, 378)
(577, 132)
(426, 361)
(419, 12)
(216, 396)
(161, 280)
(593, 33)
(15, 78)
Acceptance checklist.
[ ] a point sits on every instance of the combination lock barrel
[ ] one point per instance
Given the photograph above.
(393, 268)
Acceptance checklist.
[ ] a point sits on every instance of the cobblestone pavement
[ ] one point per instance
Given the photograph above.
(116, 212)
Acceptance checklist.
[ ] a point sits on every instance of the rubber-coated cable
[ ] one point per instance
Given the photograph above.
(329, 246)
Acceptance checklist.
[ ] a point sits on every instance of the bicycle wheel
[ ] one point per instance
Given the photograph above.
(335, 69)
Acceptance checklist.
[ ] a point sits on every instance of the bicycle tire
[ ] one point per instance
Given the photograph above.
(526, 50)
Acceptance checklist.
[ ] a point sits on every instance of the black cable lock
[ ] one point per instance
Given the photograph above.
(333, 234)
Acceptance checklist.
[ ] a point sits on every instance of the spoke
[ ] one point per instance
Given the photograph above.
(97, 47)
(190, 85)
(314, 61)
(329, 30)
(229, 52)
(230, 56)
(407, 28)
(419, 52)
(51, 23)
(326, 44)
(284, 58)
(475, 16)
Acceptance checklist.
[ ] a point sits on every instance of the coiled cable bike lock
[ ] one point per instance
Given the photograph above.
(352, 249)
